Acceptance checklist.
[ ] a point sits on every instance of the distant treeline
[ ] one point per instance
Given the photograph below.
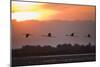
(49, 50)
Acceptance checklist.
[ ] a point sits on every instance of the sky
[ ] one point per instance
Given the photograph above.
(44, 11)
(41, 18)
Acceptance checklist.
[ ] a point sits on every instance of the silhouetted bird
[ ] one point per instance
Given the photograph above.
(88, 35)
(27, 35)
(49, 35)
(72, 35)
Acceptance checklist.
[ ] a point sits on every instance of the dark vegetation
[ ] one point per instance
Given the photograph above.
(61, 49)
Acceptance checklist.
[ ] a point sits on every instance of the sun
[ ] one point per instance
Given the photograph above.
(25, 11)
(30, 11)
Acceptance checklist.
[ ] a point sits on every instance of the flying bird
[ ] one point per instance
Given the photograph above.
(72, 35)
(48, 35)
(27, 35)
(89, 36)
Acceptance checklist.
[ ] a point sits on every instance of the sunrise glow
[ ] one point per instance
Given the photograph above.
(30, 11)
(22, 11)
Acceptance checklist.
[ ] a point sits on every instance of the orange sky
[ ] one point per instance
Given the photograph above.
(43, 11)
